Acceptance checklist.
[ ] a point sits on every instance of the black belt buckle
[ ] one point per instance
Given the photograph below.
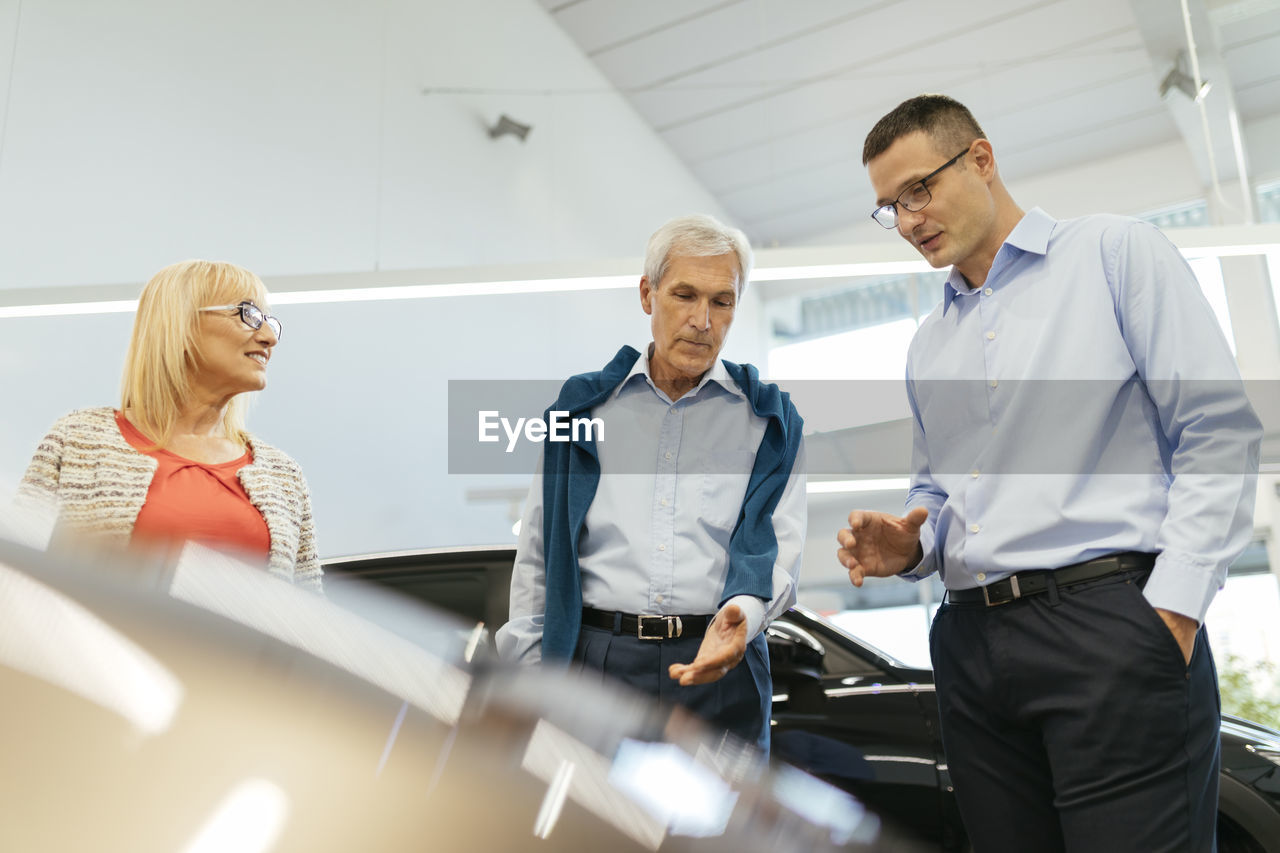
(1013, 586)
(674, 628)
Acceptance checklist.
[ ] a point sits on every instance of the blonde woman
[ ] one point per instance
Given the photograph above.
(174, 463)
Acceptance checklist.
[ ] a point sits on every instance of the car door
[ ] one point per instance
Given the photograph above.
(849, 716)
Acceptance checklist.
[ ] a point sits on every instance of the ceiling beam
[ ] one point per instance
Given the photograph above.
(1210, 129)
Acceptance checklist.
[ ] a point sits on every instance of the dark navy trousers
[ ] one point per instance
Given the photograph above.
(1071, 722)
(736, 703)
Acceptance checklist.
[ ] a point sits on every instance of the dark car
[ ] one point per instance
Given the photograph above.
(867, 723)
(847, 712)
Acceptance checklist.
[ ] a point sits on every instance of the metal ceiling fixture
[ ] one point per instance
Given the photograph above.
(508, 126)
(1179, 79)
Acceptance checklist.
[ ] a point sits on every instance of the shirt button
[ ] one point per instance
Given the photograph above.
(668, 455)
(663, 546)
(974, 528)
(658, 598)
(987, 291)
(974, 473)
(995, 382)
(664, 501)
(982, 576)
(991, 336)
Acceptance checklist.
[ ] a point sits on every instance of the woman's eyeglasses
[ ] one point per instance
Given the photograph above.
(252, 316)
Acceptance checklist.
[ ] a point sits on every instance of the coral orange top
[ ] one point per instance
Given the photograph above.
(198, 502)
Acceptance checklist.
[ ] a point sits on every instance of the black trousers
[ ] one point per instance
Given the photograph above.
(734, 703)
(1071, 722)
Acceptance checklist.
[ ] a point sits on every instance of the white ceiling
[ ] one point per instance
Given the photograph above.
(768, 101)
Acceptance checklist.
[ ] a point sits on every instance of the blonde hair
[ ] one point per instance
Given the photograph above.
(164, 347)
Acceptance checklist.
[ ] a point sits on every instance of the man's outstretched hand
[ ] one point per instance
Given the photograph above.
(879, 545)
(722, 649)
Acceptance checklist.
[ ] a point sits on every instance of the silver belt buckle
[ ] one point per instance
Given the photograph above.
(1013, 585)
(674, 628)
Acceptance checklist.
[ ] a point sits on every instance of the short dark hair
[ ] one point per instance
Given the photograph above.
(945, 119)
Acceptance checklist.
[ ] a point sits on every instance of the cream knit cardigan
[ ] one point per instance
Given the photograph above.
(85, 471)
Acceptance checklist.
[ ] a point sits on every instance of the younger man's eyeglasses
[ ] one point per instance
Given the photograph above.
(913, 198)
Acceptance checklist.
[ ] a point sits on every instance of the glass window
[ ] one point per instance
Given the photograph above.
(1209, 273)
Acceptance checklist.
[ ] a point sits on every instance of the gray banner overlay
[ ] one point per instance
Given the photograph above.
(863, 428)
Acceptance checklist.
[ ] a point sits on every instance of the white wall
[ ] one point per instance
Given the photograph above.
(295, 137)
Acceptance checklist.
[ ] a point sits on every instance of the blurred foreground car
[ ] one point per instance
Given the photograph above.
(847, 712)
(209, 707)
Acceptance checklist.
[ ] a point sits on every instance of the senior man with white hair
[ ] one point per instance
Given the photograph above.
(657, 554)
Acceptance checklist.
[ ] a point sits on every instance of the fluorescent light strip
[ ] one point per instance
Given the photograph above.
(835, 487)
(558, 285)
(1230, 251)
(357, 294)
(125, 306)
(839, 270)
(436, 291)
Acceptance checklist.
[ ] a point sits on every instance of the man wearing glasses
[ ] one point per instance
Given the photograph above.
(1084, 471)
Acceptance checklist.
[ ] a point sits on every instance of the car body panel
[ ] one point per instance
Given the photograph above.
(209, 705)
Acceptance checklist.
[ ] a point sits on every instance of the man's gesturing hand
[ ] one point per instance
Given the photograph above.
(879, 545)
(722, 648)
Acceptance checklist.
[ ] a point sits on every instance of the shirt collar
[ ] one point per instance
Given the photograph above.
(717, 374)
(1031, 234)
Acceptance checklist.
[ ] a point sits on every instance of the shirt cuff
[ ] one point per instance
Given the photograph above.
(1183, 584)
(928, 563)
(753, 609)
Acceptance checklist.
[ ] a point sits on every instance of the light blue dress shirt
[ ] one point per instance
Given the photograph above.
(1082, 401)
(656, 539)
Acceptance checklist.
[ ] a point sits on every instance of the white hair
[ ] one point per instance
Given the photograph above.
(696, 236)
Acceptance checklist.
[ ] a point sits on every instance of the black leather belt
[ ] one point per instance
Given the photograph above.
(1024, 584)
(646, 627)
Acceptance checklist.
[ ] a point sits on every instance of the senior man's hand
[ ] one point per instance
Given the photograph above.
(722, 649)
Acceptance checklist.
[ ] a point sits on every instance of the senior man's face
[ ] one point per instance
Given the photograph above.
(692, 309)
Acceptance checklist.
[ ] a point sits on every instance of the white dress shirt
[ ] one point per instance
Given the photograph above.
(1082, 401)
(656, 539)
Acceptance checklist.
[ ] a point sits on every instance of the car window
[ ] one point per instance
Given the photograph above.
(840, 658)
(839, 663)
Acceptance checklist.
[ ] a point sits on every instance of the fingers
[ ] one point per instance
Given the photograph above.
(848, 560)
(695, 673)
(845, 555)
(722, 649)
(705, 676)
(916, 518)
